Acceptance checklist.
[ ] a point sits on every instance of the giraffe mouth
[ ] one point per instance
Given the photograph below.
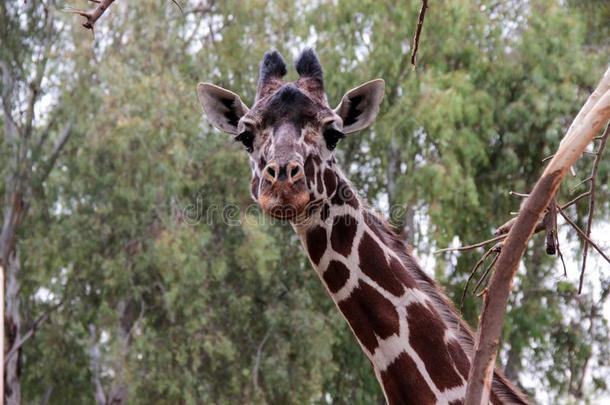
(284, 205)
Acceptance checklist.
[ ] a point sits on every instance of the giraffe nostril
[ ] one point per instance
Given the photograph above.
(294, 171)
(270, 172)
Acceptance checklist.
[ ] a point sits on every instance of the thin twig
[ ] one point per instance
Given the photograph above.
(470, 247)
(179, 6)
(575, 200)
(598, 155)
(484, 276)
(472, 273)
(583, 234)
(518, 194)
(580, 183)
(565, 270)
(420, 24)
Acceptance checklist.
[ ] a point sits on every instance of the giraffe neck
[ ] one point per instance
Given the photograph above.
(417, 343)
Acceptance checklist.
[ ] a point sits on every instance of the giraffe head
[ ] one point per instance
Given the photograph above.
(290, 132)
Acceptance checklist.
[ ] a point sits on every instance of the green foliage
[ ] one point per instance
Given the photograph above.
(134, 234)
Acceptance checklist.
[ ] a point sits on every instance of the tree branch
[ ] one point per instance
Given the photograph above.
(257, 359)
(59, 145)
(583, 234)
(30, 333)
(11, 129)
(594, 114)
(94, 15)
(41, 64)
(420, 25)
(598, 157)
(470, 247)
(94, 363)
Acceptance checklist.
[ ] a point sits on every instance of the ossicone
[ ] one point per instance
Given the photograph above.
(308, 65)
(272, 67)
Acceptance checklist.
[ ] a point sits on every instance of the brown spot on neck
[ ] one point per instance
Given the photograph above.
(344, 195)
(336, 275)
(370, 315)
(316, 243)
(404, 384)
(343, 233)
(374, 264)
(427, 338)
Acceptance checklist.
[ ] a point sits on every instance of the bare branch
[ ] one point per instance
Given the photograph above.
(41, 65)
(518, 194)
(583, 234)
(565, 270)
(59, 145)
(30, 333)
(420, 25)
(257, 359)
(496, 248)
(11, 129)
(580, 183)
(575, 200)
(484, 276)
(598, 155)
(178, 5)
(592, 117)
(93, 15)
(470, 247)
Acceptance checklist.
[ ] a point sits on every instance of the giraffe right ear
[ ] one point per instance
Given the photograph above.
(223, 107)
(359, 107)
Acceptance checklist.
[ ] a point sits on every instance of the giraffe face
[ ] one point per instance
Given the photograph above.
(290, 132)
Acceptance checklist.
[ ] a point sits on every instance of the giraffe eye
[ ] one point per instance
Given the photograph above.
(332, 136)
(247, 139)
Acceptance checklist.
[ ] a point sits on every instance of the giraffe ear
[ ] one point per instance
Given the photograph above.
(359, 107)
(223, 107)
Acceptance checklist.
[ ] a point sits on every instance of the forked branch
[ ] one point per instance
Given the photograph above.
(590, 120)
(92, 16)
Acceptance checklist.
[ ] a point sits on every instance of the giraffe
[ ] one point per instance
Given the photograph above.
(418, 345)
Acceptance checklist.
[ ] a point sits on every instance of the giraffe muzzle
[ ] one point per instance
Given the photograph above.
(290, 172)
(284, 193)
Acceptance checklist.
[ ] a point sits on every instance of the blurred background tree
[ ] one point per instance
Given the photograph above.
(172, 288)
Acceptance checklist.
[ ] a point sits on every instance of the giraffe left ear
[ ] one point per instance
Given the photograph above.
(359, 107)
(223, 107)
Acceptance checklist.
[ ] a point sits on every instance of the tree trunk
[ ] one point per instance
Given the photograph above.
(119, 390)
(94, 365)
(12, 327)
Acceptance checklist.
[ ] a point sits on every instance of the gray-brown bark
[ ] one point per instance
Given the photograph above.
(12, 327)
(128, 317)
(592, 117)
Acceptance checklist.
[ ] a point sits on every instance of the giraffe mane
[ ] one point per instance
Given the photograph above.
(505, 390)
